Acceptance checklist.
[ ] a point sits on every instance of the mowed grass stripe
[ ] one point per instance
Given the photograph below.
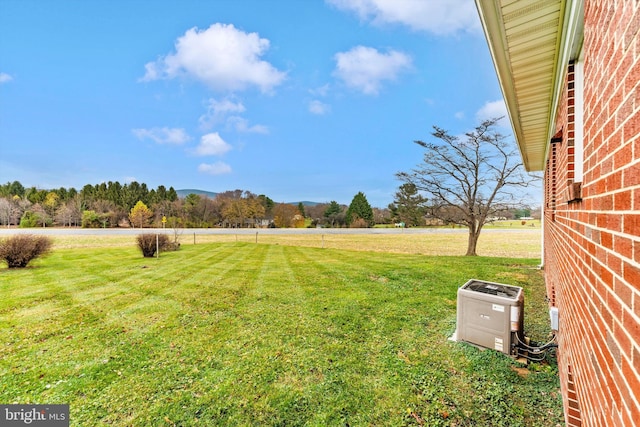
(117, 299)
(246, 334)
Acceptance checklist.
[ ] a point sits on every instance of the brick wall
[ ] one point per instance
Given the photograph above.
(592, 231)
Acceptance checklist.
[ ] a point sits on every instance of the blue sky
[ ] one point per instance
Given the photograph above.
(298, 100)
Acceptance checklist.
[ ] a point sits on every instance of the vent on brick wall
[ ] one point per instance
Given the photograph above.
(575, 192)
(574, 415)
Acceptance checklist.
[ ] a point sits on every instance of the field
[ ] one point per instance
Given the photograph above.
(283, 332)
(494, 242)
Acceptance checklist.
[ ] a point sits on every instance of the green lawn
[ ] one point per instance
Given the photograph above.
(264, 334)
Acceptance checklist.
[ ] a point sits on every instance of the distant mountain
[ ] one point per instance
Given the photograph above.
(184, 193)
(304, 203)
(210, 194)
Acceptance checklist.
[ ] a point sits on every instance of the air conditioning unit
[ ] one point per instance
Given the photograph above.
(490, 315)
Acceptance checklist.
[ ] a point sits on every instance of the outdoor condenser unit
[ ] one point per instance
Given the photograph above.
(490, 315)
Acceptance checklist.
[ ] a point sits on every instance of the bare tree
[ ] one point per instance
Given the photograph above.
(63, 215)
(467, 180)
(8, 212)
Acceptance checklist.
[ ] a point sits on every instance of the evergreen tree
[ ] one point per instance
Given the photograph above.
(161, 193)
(16, 189)
(172, 195)
(332, 213)
(359, 212)
(268, 205)
(408, 205)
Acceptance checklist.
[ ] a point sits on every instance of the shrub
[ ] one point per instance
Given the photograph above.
(147, 243)
(92, 219)
(359, 223)
(29, 220)
(19, 250)
(171, 246)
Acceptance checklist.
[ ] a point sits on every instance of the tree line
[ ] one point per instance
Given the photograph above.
(466, 181)
(112, 204)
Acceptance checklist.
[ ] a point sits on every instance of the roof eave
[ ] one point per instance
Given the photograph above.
(563, 35)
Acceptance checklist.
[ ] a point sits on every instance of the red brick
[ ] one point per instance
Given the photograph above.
(607, 318)
(614, 222)
(631, 128)
(614, 181)
(606, 239)
(631, 376)
(632, 175)
(632, 88)
(636, 307)
(623, 246)
(614, 262)
(631, 224)
(613, 342)
(632, 327)
(631, 275)
(614, 307)
(573, 422)
(618, 379)
(624, 155)
(607, 277)
(592, 258)
(623, 341)
(630, 29)
(573, 413)
(624, 292)
(633, 415)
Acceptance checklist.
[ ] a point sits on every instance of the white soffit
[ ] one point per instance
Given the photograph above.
(524, 38)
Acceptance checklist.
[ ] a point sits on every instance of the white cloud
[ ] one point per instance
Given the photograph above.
(218, 110)
(321, 91)
(364, 68)
(319, 108)
(5, 78)
(435, 16)
(218, 168)
(222, 111)
(212, 144)
(165, 135)
(492, 110)
(222, 57)
(240, 124)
